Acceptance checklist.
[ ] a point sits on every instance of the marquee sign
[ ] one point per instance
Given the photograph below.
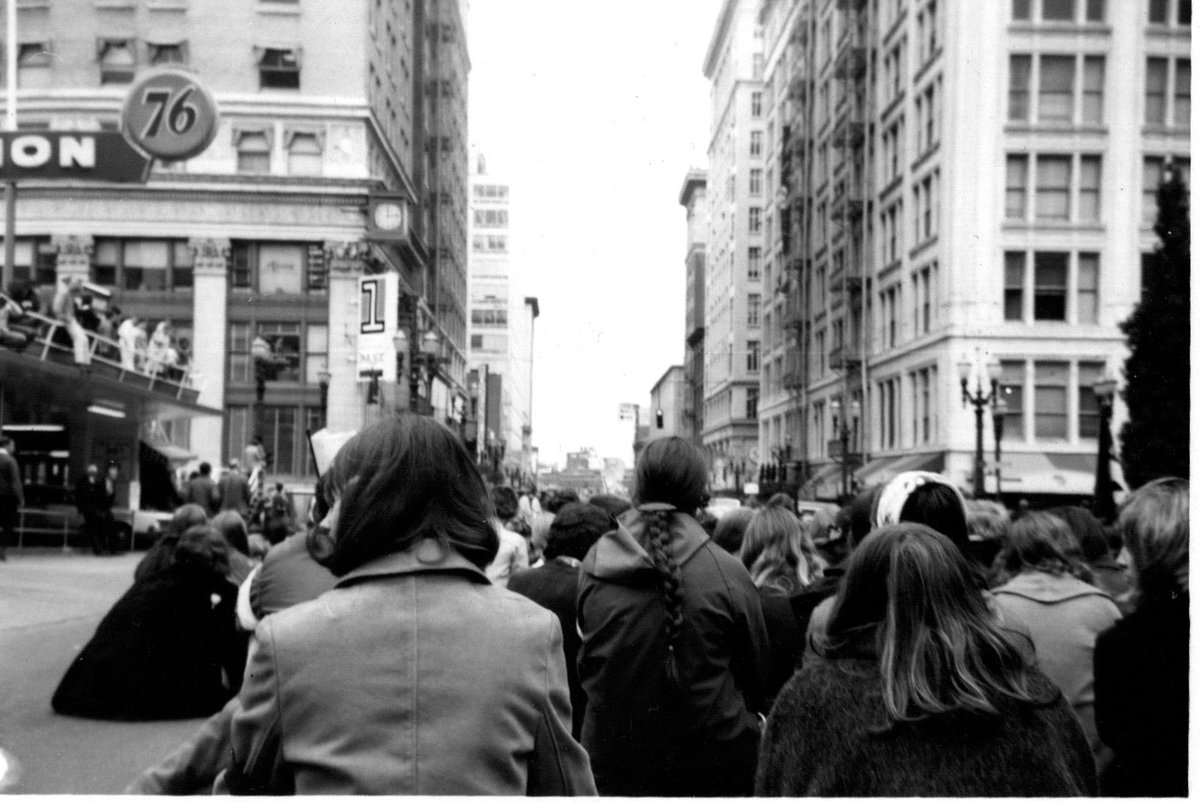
(96, 155)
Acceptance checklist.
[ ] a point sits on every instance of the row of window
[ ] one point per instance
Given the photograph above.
(304, 149)
(491, 218)
(490, 190)
(1158, 12)
(1064, 187)
(1051, 286)
(489, 317)
(1069, 89)
(301, 350)
(119, 58)
(489, 244)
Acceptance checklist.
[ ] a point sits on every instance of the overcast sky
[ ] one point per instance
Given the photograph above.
(594, 112)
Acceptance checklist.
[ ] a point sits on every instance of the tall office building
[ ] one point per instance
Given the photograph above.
(501, 329)
(735, 245)
(958, 187)
(266, 233)
(693, 198)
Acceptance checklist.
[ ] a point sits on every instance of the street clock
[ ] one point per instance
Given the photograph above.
(388, 217)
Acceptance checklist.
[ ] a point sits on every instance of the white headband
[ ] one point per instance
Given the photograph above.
(896, 493)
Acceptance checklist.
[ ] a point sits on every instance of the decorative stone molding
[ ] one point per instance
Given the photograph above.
(210, 256)
(72, 245)
(346, 255)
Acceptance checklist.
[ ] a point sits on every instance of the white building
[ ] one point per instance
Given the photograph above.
(501, 325)
(736, 239)
(957, 182)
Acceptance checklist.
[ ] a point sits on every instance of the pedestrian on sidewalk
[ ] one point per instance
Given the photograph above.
(415, 675)
(234, 490)
(674, 654)
(94, 499)
(12, 495)
(201, 490)
(920, 692)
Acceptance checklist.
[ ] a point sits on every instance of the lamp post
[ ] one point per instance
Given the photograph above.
(266, 366)
(999, 410)
(841, 425)
(323, 378)
(1104, 507)
(980, 398)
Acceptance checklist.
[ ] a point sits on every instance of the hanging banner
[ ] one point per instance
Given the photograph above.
(378, 307)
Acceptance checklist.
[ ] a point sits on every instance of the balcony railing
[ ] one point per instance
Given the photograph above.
(50, 341)
(849, 132)
(851, 60)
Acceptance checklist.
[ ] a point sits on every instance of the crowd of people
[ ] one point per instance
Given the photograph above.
(118, 337)
(469, 639)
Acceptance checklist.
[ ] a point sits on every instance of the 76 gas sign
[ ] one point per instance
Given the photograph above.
(169, 115)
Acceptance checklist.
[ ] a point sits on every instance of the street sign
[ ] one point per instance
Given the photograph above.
(96, 155)
(169, 115)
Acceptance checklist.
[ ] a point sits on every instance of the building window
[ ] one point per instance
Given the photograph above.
(117, 61)
(316, 352)
(278, 68)
(477, 341)
(1012, 390)
(1020, 77)
(752, 402)
(756, 105)
(34, 260)
(1088, 208)
(1050, 400)
(253, 151)
(1016, 187)
(166, 53)
(1014, 286)
(1053, 188)
(1049, 286)
(756, 143)
(33, 65)
(1159, 12)
(1163, 83)
(1152, 169)
(304, 154)
(753, 355)
(1058, 10)
(280, 268)
(754, 263)
(756, 178)
(1056, 88)
(1093, 89)
(142, 265)
(1089, 405)
(1087, 288)
(753, 309)
(755, 220)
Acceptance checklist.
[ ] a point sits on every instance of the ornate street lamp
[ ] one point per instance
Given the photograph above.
(841, 425)
(1104, 507)
(323, 378)
(999, 410)
(980, 398)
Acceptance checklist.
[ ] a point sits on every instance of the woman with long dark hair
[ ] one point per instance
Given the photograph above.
(414, 675)
(921, 693)
(674, 653)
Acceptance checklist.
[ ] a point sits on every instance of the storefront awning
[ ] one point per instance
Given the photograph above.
(173, 454)
(825, 483)
(883, 469)
(1040, 473)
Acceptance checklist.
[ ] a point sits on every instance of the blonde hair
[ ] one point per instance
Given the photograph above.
(1154, 524)
(910, 597)
(778, 551)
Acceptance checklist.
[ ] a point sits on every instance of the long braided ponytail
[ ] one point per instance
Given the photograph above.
(671, 480)
(658, 546)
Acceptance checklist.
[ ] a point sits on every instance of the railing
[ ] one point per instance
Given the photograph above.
(48, 339)
(65, 527)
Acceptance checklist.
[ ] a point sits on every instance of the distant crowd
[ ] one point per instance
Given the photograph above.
(424, 633)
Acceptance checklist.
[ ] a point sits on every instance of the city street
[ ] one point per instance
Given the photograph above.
(50, 604)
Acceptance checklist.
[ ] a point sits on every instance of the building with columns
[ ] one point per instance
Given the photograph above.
(958, 184)
(266, 234)
(734, 247)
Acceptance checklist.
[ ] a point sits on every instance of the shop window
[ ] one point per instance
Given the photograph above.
(316, 352)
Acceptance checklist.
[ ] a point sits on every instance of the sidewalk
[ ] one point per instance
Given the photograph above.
(50, 604)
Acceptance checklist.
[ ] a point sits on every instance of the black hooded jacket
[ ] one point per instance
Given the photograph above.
(645, 734)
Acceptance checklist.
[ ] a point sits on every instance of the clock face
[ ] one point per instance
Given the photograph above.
(389, 216)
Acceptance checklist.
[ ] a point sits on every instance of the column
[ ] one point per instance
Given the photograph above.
(74, 256)
(211, 286)
(345, 409)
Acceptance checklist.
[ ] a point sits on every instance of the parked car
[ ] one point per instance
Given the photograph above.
(719, 506)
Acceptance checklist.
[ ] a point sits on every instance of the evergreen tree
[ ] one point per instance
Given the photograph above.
(1155, 441)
